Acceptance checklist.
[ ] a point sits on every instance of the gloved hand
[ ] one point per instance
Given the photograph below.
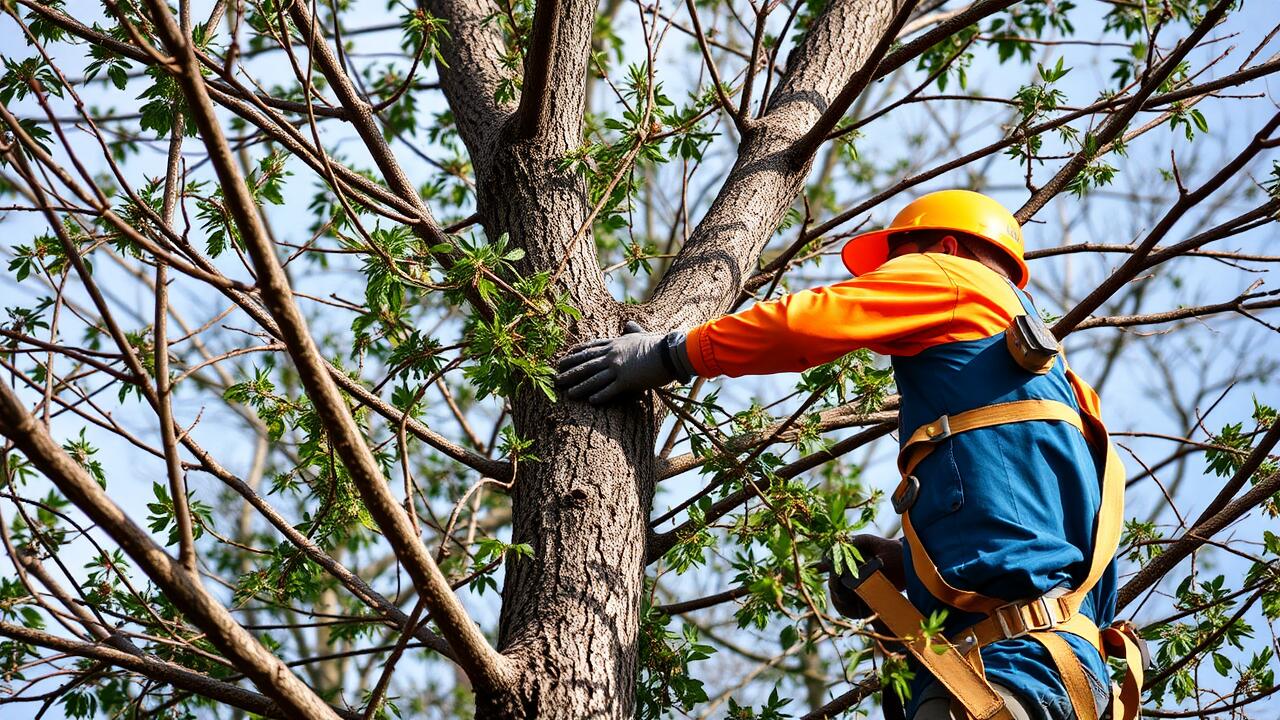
(601, 370)
(889, 552)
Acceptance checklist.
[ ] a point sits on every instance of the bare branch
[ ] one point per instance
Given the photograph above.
(473, 652)
(1115, 124)
(1158, 567)
(164, 407)
(717, 84)
(162, 671)
(705, 277)
(182, 588)
(1136, 262)
(1238, 305)
(808, 144)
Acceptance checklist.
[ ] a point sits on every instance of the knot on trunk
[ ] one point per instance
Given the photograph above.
(575, 498)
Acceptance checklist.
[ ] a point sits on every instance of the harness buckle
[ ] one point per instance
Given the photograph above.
(904, 497)
(938, 430)
(1027, 621)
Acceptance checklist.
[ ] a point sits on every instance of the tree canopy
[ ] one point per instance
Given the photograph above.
(286, 283)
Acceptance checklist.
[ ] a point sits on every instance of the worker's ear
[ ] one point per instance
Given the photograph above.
(949, 245)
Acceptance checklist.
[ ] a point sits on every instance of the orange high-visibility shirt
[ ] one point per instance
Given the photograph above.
(907, 305)
(1021, 498)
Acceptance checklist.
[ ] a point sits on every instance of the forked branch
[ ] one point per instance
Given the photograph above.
(804, 148)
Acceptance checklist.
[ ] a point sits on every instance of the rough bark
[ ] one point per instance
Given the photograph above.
(767, 176)
(569, 622)
(570, 615)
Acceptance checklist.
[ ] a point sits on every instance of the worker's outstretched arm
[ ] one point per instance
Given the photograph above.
(908, 304)
(898, 309)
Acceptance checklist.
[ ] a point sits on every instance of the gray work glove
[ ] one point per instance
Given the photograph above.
(889, 552)
(601, 370)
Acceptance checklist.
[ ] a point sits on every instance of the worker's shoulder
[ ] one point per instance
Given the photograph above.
(913, 267)
(985, 300)
(974, 279)
(970, 276)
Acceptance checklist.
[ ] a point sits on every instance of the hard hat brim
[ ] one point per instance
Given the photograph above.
(868, 251)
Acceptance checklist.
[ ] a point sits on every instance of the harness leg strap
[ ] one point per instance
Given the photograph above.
(965, 684)
(1072, 673)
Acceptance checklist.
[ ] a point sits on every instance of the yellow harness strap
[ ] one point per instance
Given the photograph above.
(944, 661)
(1042, 618)
(923, 441)
(1121, 640)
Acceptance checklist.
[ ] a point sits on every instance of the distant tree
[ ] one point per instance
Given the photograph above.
(276, 404)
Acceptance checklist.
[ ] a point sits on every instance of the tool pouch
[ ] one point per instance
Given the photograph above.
(1031, 344)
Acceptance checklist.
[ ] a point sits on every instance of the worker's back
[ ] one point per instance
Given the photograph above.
(1005, 511)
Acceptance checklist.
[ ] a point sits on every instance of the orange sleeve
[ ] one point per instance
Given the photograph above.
(907, 305)
(892, 311)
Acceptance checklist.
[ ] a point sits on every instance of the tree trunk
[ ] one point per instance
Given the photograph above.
(570, 614)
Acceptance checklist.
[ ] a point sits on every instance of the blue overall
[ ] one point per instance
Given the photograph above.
(1006, 511)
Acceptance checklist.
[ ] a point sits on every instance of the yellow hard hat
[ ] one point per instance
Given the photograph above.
(960, 210)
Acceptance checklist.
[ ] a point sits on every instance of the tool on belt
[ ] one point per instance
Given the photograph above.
(956, 662)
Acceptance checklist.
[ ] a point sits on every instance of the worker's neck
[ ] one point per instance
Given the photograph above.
(963, 252)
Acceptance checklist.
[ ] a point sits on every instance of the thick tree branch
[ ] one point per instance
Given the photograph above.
(808, 144)
(481, 663)
(705, 277)
(1257, 456)
(1137, 262)
(531, 116)
(553, 95)
(943, 30)
(1158, 567)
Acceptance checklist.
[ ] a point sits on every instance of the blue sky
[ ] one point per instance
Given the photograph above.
(1134, 396)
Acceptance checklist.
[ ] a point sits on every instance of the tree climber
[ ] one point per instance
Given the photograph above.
(1011, 495)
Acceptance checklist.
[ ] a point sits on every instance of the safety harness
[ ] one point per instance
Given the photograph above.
(956, 662)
